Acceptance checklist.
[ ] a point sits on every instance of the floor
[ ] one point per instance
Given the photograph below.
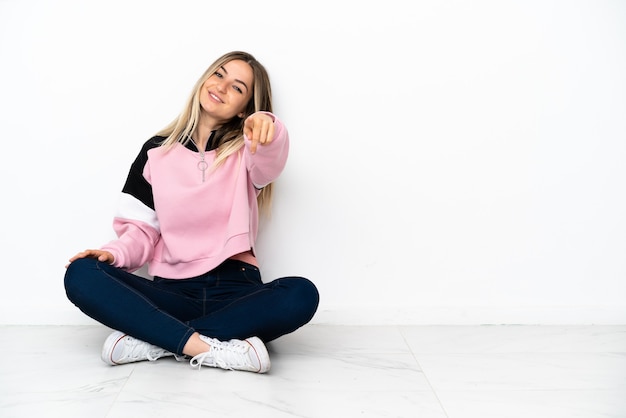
(330, 371)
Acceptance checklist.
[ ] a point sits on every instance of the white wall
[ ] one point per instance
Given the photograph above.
(452, 162)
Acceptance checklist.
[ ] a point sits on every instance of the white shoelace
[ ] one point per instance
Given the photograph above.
(137, 350)
(226, 355)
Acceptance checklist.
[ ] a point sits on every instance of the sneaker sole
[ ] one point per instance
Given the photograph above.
(109, 346)
(261, 352)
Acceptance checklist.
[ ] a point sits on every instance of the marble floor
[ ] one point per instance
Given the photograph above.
(330, 371)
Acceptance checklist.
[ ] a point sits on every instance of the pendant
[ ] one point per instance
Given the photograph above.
(202, 165)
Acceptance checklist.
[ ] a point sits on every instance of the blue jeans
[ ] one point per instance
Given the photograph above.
(228, 302)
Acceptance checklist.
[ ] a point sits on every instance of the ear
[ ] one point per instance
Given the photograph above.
(240, 115)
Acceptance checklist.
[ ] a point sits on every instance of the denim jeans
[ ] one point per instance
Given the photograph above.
(228, 302)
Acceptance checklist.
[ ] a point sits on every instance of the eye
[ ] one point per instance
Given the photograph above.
(218, 74)
(238, 89)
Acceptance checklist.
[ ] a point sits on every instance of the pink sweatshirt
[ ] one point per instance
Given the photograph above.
(184, 227)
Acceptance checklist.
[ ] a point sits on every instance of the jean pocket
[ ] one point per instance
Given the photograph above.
(240, 275)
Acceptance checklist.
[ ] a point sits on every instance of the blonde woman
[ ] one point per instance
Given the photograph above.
(190, 210)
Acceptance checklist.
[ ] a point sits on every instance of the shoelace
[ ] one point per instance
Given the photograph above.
(154, 355)
(138, 349)
(225, 355)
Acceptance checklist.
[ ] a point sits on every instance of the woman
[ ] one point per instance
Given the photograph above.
(189, 209)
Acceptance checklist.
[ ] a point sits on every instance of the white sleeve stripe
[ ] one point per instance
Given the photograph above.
(130, 207)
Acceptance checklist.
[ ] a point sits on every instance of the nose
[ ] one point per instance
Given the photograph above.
(221, 86)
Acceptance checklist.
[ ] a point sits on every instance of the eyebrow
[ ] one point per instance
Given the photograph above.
(237, 80)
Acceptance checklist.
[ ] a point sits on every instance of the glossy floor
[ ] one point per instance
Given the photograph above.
(330, 371)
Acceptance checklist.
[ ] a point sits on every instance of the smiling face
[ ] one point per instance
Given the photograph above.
(226, 92)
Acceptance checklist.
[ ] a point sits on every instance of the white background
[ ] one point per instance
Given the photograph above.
(451, 162)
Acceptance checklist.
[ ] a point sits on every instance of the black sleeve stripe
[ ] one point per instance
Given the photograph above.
(136, 185)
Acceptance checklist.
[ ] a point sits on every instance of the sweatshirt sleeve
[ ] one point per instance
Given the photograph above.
(134, 246)
(135, 221)
(266, 164)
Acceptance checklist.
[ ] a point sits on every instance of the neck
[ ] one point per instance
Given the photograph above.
(203, 130)
(201, 142)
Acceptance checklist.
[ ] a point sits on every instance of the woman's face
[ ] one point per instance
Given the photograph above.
(226, 93)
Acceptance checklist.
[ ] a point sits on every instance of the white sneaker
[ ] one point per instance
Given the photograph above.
(120, 348)
(249, 355)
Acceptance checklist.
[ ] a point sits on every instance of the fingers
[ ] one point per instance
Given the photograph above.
(102, 256)
(81, 254)
(259, 128)
(106, 257)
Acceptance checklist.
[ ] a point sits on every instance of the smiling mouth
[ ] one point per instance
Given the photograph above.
(216, 97)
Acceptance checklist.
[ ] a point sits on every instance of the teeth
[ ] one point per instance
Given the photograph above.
(215, 97)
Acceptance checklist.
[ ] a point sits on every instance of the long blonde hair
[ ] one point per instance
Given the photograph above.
(230, 134)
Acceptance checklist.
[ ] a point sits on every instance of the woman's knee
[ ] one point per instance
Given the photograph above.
(311, 292)
(304, 297)
(76, 276)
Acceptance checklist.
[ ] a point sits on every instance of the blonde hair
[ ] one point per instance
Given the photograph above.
(230, 134)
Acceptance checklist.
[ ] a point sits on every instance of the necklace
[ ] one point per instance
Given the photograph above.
(202, 164)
